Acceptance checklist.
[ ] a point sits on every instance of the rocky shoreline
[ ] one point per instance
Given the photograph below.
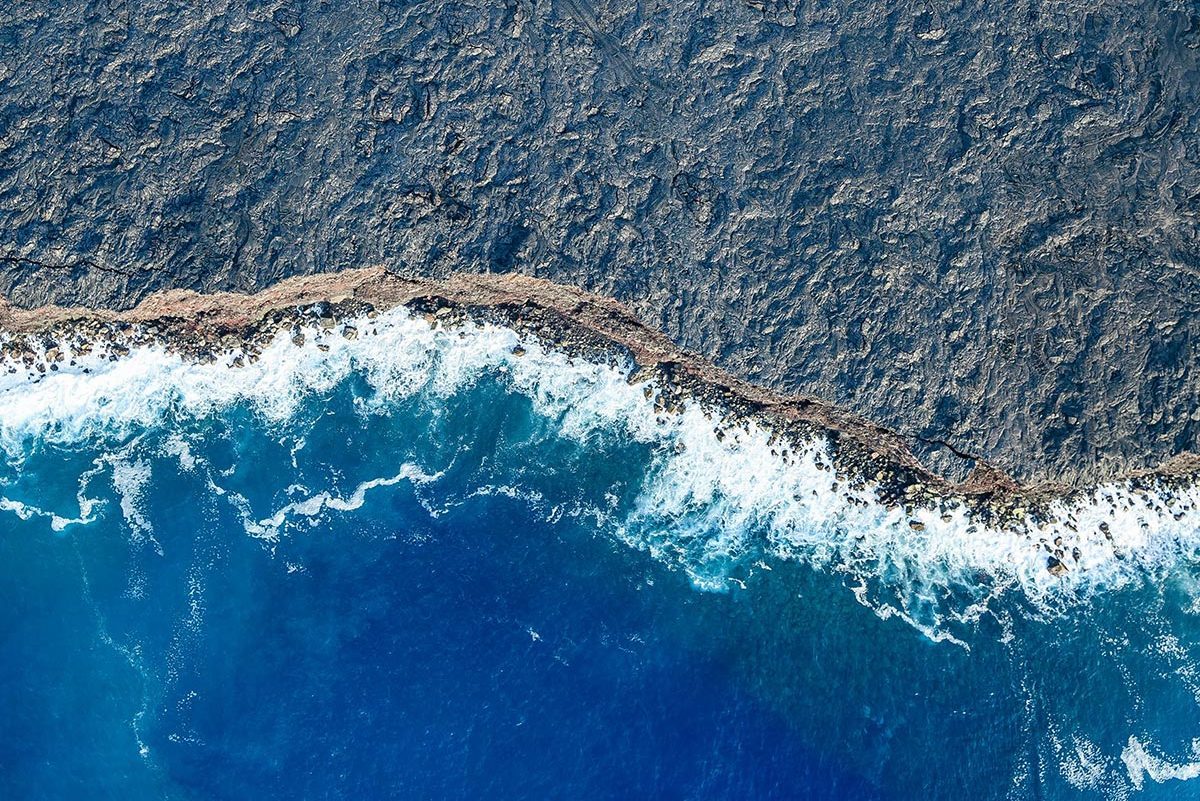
(204, 327)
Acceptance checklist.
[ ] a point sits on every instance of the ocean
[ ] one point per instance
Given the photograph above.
(452, 562)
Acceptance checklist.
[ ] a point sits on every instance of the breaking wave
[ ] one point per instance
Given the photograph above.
(717, 498)
(324, 423)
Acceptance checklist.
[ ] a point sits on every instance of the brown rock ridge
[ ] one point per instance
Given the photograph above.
(221, 312)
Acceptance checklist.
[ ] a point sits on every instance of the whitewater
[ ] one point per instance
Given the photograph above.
(390, 425)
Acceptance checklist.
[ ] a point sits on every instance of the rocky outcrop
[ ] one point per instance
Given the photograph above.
(976, 226)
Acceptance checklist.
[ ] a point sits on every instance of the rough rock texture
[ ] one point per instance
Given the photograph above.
(976, 223)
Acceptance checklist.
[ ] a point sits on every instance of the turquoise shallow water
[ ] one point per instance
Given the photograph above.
(418, 565)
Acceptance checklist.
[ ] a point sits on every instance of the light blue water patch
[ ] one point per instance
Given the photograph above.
(417, 564)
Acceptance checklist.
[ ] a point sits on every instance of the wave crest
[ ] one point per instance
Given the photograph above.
(719, 499)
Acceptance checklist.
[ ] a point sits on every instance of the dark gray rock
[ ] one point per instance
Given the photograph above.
(976, 222)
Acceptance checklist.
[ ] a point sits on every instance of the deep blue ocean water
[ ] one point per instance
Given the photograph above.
(420, 566)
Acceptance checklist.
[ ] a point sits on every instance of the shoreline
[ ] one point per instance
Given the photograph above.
(565, 317)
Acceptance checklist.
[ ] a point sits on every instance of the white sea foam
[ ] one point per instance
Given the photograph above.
(130, 480)
(1142, 764)
(87, 506)
(713, 506)
(27, 511)
(313, 506)
(178, 447)
(711, 503)
(400, 355)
